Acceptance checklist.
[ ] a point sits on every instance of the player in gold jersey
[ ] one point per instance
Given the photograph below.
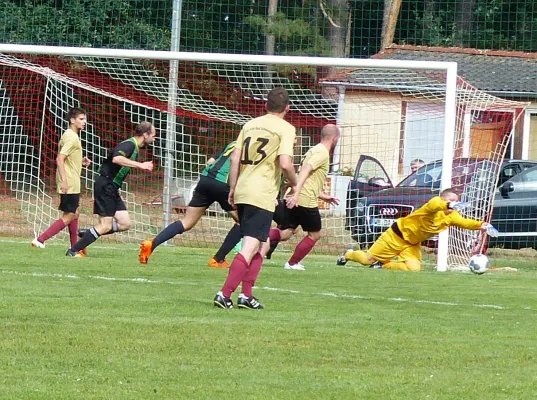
(264, 151)
(69, 168)
(403, 239)
(302, 205)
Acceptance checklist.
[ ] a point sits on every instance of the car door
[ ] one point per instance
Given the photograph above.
(515, 211)
(370, 176)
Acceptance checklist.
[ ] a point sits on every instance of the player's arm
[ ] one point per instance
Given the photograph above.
(60, 162)
(286, 164)
(305, 172)
(121, 155)
(467, 223)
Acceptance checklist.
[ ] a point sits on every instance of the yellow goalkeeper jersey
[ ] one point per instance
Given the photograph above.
(430, 219)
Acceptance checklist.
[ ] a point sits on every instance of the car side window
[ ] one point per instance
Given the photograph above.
(370, 169)
(507, 173)
(531, 176)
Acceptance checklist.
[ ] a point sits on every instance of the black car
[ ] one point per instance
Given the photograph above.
(373, 203)
(515, 212)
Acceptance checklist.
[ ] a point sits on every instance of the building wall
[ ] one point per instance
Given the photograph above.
(371, 125)
(532, 154)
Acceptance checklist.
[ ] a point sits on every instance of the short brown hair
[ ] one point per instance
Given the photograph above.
(143, 127)
(450, 190)
(74, 113)
(277, 100)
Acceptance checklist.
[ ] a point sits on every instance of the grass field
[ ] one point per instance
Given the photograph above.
(106, 327)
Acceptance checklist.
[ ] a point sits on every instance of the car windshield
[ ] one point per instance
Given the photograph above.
(427, 176)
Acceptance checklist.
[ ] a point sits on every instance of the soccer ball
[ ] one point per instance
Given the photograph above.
(479, 264)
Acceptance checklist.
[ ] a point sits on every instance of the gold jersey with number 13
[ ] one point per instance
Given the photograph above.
(262, 140)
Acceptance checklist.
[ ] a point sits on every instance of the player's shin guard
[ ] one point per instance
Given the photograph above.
(89, 237)
(73, 231)
(275, 237)
(232, 238)
(251, 276)
(167, 233)
(52, 230)
(358, 256)
(236, 274)
(302, 249)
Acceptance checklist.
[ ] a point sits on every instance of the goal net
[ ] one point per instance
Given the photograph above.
(389, 116)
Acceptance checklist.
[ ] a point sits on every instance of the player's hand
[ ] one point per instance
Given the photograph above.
(231, 199)
(330, 199)
(291, 201)
(86, 162)
(457, 205)
(146, 166)
(491, 231)
(64, 187)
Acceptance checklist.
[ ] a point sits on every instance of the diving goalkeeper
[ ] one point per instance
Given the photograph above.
(403, 239)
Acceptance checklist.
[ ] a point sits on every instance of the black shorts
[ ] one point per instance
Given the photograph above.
(254, 221)
(279, 212)
(69, 202)
(308, 218)
(106, 198)
(209, 191)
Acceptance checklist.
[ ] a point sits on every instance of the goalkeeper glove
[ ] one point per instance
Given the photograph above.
(491, 231)
(457, 205)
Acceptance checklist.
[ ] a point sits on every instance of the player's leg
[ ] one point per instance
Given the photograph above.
(69, 204)
(71, 220)
(409, 260)
(230, 241)
(201, 200)
(310, 221)
(191, 218)
(385, 248)
(287, 224)
(234, 236)
(255, 225)
(105, 204)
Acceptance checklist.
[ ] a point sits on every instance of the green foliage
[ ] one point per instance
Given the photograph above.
(92, 23)
(293, 36)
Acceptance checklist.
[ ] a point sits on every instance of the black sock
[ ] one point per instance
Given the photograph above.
(273, 246)
(90, 236)
(113, 230)
(232, 238)
(167, 233)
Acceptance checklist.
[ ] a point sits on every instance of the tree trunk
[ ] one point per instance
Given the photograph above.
(270, 45)
(464, 15)
(337, 14)
(389, 22)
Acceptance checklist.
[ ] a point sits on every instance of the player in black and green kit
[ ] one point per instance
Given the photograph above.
(113, 215)
(212, 187)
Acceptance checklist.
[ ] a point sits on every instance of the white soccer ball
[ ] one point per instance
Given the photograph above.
(479, 264)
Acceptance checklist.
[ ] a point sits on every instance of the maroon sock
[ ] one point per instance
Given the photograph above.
(52, 230)
(251, 276)
(274, 235)
(73, 231)
(237, 271)
(302, 250)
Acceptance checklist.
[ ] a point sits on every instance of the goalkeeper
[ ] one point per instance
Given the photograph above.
(403, 239)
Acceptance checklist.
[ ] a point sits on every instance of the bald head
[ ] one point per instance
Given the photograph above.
(329, 136)
(329, 131)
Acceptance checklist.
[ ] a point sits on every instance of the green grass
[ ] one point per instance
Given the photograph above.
(105, 327)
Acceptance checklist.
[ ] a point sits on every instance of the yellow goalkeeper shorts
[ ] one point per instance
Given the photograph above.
(389, 245)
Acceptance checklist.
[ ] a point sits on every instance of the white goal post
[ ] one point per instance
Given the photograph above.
(389, 83)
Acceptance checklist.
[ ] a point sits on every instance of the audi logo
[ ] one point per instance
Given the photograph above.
(388, 211)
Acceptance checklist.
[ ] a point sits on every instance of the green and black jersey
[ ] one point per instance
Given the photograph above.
(220, 169)
(117, 173)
